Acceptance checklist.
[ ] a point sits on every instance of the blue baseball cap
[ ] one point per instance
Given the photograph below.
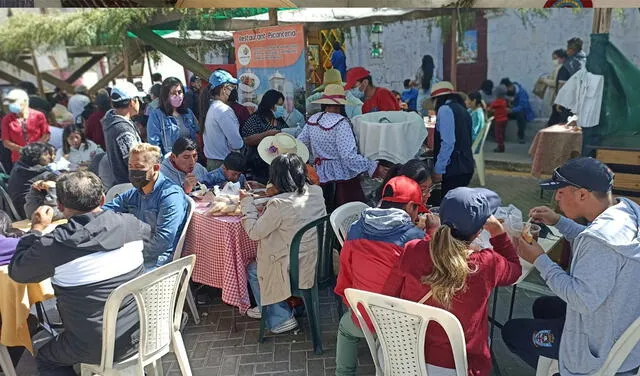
(466, 210)
(221, 77)
(126, 91)
(585, 172)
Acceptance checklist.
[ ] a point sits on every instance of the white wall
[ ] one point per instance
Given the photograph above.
(404, 44)
(519, 52)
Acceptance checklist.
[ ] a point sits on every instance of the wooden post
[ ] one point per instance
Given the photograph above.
(37, 73)
(273, 16)
(454, 46)
(146, 52)
(601, 20)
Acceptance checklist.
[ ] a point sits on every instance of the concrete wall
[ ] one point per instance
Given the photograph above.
(515, 50)
(404, 44)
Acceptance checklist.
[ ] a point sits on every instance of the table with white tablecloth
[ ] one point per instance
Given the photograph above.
(394, 136)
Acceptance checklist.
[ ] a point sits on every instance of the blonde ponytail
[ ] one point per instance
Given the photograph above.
(450, 266)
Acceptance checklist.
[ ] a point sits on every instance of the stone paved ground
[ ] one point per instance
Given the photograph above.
(217, 348)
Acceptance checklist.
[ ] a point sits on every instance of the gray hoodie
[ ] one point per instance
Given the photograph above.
(601, 290)
(120, 136)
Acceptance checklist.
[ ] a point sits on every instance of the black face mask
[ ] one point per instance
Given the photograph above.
(233, 97)
(139, 178)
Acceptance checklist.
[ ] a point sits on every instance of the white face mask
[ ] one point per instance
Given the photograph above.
(556, 62)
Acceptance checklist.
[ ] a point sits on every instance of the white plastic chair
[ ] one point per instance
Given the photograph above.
(401, 328)
(478, 151)
(343, 217)
(178, 254)
(117, 190)
(159, 296)
(619, 352)
(6, 365)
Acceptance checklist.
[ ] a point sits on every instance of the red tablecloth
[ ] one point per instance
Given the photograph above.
(552, 147)
(223, 250)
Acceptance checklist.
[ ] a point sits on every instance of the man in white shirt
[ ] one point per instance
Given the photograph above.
(78, 101)
(222, 129)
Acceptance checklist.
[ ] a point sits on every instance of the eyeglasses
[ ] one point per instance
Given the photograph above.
(557, 177)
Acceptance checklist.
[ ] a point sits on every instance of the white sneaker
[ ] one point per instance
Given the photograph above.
(286, 326)
(254, 313)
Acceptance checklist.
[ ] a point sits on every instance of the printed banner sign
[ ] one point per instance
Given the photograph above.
(272, 58)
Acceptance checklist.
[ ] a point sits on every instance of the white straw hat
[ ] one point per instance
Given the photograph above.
(272, 146)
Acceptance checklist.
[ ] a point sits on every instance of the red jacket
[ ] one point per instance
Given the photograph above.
(499, 108)
(497, 267)
(370, 252)
(382, 100)
(35, 127)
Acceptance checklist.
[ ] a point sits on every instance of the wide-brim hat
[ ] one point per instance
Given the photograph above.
(442, 88)
(331, 76)
(333, 95)
(282, 143)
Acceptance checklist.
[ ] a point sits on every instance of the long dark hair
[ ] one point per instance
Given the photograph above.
(73, 128)
(477, 98)
(269, 100)
(6, 229)
(288, 173)
(415, 169)
(164, 102)
(427, 72)
(205, 96)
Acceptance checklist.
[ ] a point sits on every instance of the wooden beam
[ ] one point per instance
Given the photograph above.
(601, 20)
(273, 16)
(83, 68)
(134, 54)
(9, 78)
(454, 46)
(174, 52)
(38, 74)
(45, 76)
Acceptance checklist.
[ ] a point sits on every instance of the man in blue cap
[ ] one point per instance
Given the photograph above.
(222, 129)
(598, 299)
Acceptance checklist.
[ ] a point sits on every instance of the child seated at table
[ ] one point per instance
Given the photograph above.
(295, 204)
(445, 272)
(181, 167)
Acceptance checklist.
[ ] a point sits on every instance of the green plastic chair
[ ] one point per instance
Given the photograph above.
(324, 277)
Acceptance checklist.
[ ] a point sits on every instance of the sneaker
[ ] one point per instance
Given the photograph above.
(286, 326)
(254, 313)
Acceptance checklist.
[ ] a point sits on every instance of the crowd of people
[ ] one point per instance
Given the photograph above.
(174, 141)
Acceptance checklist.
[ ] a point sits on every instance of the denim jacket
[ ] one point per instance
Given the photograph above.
(164, 130)
(164, 209)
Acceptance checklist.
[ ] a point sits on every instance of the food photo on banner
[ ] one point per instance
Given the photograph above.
(271, 58)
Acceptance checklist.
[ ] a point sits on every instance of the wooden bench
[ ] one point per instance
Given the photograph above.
(625, 163)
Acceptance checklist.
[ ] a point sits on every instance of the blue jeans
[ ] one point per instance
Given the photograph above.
(275, 314)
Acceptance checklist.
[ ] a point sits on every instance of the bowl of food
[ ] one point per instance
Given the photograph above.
(249, 82)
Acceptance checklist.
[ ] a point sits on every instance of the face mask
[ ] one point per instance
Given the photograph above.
(279, 112)
(138, 178)
(15, 108)
(176, 100)
(556, 62)
(357, 93)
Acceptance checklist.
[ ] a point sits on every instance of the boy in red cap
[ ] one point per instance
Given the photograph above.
(374, 244)
(375, 98)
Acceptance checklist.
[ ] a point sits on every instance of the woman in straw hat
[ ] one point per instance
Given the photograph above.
(452, 145)
(272, 146)
(330, 138)
(332, 76)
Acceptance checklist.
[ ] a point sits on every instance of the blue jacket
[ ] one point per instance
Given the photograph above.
(410, 97)
(164, 209)
(339, 62)
(521, 103)
(163, 130)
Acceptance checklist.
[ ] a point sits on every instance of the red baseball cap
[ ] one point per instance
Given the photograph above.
(355, 74)
(405, 190)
